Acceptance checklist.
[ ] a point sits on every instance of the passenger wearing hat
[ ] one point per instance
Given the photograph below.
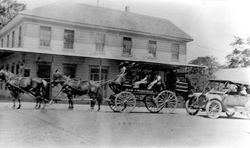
(144, 75)
(156, 81)
(123, 72)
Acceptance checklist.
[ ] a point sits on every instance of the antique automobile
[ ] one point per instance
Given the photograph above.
(220, 96)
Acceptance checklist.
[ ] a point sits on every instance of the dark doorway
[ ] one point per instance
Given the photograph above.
(43, 71)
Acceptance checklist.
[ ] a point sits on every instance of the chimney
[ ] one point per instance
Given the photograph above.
(127, 9)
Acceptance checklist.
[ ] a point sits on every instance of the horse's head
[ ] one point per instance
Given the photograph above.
(4, 75)
(58, 78)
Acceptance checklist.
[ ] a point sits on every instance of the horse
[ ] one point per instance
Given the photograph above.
(36, 87)
(73, 87)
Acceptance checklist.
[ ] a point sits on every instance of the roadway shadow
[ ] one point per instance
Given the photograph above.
(141, 112)
(225, 117)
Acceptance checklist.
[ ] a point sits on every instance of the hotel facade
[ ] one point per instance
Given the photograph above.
(87, 42)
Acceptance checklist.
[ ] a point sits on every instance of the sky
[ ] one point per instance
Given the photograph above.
(211, 23)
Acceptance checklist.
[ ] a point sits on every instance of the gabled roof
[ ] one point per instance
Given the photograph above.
(237, 75)
(108, 18)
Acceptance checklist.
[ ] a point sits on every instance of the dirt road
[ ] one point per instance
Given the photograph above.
(57, 126)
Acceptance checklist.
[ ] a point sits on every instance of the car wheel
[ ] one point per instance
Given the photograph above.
(189, 108)
(213, 109)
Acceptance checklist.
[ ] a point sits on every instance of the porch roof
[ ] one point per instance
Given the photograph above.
(158, 65)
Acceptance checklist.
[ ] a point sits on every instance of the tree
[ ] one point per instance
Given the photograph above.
(8, 10)
(199, 77)
(240, 56)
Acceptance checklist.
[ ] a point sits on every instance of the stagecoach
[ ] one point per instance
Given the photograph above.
(220, 96)
(125, 96)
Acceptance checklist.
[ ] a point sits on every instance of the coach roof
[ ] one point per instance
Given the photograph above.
(108, 19)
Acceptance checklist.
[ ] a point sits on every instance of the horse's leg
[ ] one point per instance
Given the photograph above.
(99, 101)
(39, 102)
(36, 104)
(44, 103)
(42, 96)
(14, 101)
(70, 101)
(72, 104)
(92, 103)
(19, 101)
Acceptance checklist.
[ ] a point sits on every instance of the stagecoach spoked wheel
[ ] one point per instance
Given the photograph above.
(125, 102)
(111, 103)
(189, 105)
(213, 109)
(151, 104)
(168, 100)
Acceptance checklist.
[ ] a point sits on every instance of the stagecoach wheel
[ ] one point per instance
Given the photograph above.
(168, 100)
(125, 102)
(111, 103)
(213, 109)
(151, 105)
(189, 108)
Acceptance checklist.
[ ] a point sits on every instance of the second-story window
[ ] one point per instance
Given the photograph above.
(68, 39)
(175, 52)
(8, 40)
(127, 45)
(152, 45)
(13, 39)
(45, 36)
(99, 41)
(20, 36)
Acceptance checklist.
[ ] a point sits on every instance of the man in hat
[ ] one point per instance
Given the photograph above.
(123, 72)
(144, 75)
(156, 81)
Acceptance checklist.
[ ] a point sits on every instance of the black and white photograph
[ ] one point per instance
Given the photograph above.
(124, 73)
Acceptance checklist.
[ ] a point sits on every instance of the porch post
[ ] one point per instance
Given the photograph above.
(100, 73)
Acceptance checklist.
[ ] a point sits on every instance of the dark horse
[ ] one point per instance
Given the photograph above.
(72, 88)
(32, 86)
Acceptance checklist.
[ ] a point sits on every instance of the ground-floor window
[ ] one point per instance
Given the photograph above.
(95, 74)
(7, 67)
(13, 68)
(17, 69)
(26, 72)
(69, 70)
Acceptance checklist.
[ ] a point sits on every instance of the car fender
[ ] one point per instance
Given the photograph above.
(194, 95)
(214, 96)
(223, 106)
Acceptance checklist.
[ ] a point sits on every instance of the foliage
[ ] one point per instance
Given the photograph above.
(240, 56)
(198, 76)
(9, 9)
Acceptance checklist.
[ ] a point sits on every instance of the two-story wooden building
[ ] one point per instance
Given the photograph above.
(87, 41)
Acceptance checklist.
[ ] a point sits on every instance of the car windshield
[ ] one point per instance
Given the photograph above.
(217, 86)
